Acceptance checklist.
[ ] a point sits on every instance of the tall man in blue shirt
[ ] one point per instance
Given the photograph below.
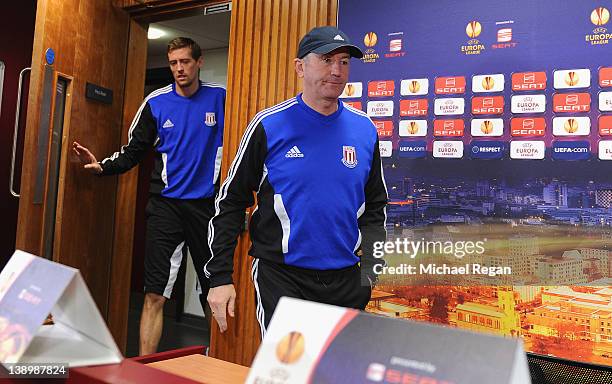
(315, 165)
(183, 122)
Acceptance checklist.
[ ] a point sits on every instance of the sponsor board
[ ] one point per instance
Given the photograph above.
(354, 104)
(384, 88)
(482, 149)
(605, 150)
(352, 90)
(571, 102)
(449, 106)
(605, 77)
(473, 47)
(396, 45)
(380, 108)
(448, 149)
(572, 78)
(414, 87)
(529, 81)
(571, 126)
(487, 127)
(600, 36)
(504, 35)
(605, 101)
(305, 342)
(528, 150)
(370, 55)
(528, 103)
(384, 128)
(449, 128)
(412, 149)
(414, 107)
(413, 128)
(488, 83)
(605, 125)
(527, 126)
(488, 105)
(386, 148)
(449, 85)
(571, 150)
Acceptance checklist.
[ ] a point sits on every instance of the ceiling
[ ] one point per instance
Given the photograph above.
(209, 31)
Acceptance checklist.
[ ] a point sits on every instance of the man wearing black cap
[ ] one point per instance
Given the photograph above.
(315, 165)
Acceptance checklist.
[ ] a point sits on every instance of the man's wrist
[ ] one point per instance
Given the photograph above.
(221, 279)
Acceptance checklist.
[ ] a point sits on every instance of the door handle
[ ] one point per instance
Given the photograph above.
(17, 113)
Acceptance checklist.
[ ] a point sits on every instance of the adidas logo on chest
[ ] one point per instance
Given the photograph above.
(168, 124)
(294, 152)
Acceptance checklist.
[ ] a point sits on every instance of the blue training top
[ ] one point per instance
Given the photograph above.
(319, 185)
(187, 134)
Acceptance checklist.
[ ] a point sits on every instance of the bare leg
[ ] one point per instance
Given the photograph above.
(151, 323)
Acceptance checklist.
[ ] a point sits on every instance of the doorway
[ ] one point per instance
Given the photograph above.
(16, 40)
(184, 324)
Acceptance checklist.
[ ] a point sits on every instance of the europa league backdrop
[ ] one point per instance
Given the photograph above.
(495, 124)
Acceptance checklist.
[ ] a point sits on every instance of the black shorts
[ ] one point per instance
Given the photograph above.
(272, 281)
(171, 225)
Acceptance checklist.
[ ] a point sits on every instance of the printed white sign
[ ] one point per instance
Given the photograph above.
(410, 128)
(528, 103)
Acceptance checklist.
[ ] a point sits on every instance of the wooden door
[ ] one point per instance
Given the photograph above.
(95, 41)
(65, 213)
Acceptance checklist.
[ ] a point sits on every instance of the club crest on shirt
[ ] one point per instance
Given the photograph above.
(210, 119)
(349, 156)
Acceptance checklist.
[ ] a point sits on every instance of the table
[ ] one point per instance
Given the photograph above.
(180, 366)
(204, 369)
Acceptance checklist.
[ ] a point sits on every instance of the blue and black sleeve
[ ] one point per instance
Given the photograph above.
(235, 196)
(141, 137)
(373, 220)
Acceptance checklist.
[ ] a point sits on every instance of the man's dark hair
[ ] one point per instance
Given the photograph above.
(185, 42)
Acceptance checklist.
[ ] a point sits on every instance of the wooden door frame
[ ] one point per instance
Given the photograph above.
(63, 155)
(263, 38)
(141, 15)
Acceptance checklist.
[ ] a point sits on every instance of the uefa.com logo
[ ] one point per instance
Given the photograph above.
(600, 16)
(571, 150)
(412, 149)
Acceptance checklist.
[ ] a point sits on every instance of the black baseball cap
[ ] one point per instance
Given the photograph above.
(323, 40)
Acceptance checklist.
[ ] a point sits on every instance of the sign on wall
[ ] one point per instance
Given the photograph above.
(495, 129)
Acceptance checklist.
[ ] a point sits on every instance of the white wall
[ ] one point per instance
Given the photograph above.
(214, 69)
